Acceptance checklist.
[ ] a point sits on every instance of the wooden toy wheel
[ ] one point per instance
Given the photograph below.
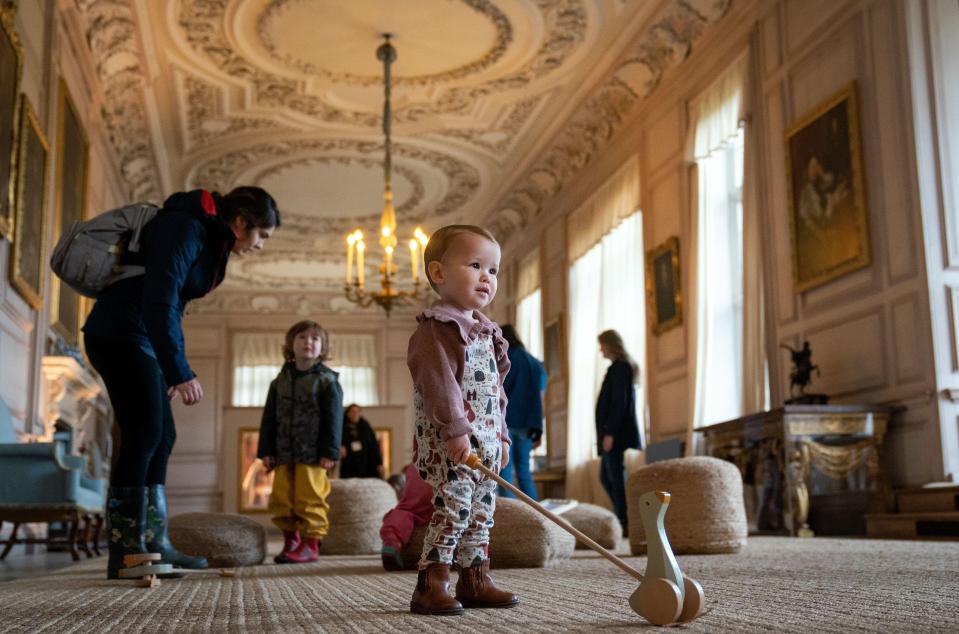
(657, 600)
(693, 600)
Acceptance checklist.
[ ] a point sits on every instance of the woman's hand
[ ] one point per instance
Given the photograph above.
(190, 392)
(342, 452)
(269, 463)
(381, 471)
(505, 456)
(458, 449)
(327, 463)
(607, 443)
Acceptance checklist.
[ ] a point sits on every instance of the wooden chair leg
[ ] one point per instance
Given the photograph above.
(97, 528)
(85, 536)
(72, 538)
(11, 541)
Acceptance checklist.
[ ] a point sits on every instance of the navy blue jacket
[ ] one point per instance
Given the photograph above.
(616, 408)
(523, 385)
(184, 250)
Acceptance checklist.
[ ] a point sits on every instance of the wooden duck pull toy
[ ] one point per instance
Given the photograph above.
(141, 567)
(664, 595)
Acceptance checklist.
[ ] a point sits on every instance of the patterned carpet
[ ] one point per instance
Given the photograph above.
(775, 584)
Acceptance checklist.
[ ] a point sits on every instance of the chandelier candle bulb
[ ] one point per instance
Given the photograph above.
(414, 247)
(350, 245)
(360, 247)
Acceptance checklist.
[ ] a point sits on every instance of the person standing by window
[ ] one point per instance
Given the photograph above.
(616, 426)
(525, 387)
(360, 452)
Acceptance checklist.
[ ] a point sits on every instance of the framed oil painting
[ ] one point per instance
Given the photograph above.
(70, 195)
(664, 298)
(11, 67)
(384, 436)
(255, 483)
(827, 203)
(27, 268)
(553, 349)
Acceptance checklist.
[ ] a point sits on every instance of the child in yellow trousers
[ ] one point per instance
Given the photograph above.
(300, 439)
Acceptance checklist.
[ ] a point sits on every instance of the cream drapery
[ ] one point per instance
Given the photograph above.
(718, 117)
(615, 200)
(528, 275)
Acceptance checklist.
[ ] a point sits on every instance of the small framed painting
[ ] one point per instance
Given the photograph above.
(11, 68)
(554, 349)
(384, 436)
(663, 294)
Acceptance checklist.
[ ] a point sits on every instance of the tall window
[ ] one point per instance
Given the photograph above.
(719, 245)
(258, 357)
(604, 292)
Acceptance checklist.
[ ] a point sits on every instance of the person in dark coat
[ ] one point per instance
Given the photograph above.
(525, 387)
(134, 340)
(360, 453)
(616, 426)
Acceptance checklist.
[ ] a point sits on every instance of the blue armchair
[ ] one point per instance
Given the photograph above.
(42, 482)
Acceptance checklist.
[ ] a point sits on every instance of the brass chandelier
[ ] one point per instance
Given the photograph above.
(387, 296)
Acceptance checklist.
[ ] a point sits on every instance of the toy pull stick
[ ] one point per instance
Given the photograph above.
(658, 600)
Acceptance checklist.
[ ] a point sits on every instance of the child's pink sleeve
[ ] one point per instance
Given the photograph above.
(436, 358)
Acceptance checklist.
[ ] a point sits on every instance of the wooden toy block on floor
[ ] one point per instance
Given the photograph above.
(140, 566)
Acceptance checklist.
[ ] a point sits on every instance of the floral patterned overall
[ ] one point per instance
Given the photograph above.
(464, 499)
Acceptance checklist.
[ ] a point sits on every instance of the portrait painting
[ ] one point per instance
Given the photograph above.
(663, 296)
(255, 483)
(827, 204)
(11, 67)
(70, 192)
(27, 268)
(553, 349)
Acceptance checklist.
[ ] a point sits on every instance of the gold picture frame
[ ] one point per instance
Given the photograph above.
(828, 218)
(384, 436)
(664, 298)
(554, 349)
(70, 199)
(11, 72)
(254, 485)
(27, 270)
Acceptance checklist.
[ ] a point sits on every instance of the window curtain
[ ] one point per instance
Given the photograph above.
(529, 307)
(258, 357)
(726, 302)
(605, 291)
(614, 201)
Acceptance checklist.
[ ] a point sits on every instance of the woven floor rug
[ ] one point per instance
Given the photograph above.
(774, 585)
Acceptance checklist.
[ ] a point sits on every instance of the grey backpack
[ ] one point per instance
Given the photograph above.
(87, 256)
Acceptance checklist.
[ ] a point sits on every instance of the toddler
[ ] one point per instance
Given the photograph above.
(300, 440)
(457, 358)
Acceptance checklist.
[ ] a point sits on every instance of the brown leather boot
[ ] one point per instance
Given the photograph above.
(475, 589)
(432, 594)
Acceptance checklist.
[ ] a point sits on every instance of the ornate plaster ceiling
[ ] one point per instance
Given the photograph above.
(496, 104)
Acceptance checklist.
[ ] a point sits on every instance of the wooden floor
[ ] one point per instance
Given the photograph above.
(21, 565)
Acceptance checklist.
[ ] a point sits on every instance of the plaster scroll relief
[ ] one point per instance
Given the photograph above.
(664, 44)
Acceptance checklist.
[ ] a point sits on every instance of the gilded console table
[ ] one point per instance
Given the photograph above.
(791, 455)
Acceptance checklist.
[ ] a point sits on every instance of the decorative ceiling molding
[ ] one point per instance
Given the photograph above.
(665, 44)
(206, 119)
(504, 36)
(299, 303)
(203, 24)
(463, 180)
(111, 34)
(499, 140)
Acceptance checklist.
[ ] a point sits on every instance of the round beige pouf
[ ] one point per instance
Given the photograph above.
(705, 513)
(357, 507)
(597, 523)
(225, 539)
(520, 538)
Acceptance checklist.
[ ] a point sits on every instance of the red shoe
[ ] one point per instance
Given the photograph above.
(291, 539)
(307, 551)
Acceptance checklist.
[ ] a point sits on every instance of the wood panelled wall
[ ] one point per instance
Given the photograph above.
(870, 330)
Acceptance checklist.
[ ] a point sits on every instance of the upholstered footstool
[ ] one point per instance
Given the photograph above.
(706, 512)
(599, 524)
(357, 507)
(520, 538)
(225, 539)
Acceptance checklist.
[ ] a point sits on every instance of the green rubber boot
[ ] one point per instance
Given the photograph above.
(157, 539)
